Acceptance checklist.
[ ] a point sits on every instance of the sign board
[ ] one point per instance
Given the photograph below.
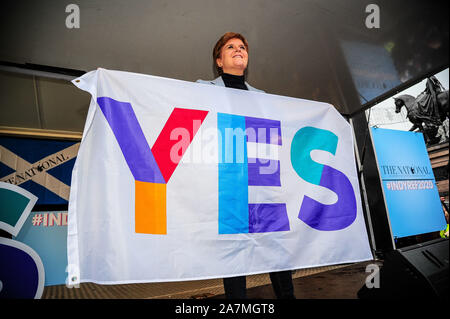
(409, 187)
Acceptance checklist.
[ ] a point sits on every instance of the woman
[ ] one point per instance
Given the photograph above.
(230, 56)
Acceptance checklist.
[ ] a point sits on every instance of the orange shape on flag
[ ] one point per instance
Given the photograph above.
(150, 208)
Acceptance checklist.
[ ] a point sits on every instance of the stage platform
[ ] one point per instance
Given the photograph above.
(330, 282)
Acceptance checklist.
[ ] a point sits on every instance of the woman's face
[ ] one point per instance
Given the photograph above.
(233, 57)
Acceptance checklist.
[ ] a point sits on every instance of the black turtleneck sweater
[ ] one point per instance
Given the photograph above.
(234, 81)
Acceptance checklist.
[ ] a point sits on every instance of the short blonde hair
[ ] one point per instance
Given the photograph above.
(221, 42)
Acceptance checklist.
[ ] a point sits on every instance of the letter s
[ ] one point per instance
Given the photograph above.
(315, 214)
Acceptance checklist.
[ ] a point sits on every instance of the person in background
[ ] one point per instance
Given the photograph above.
(444, 233)
(230, 56)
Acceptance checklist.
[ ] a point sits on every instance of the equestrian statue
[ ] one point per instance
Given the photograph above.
(428, 111)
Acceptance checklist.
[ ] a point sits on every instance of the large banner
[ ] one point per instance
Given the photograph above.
(177, 180)
(409, 186)
(43, 168)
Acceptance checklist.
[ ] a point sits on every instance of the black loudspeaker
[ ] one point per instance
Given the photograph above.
(418, 271)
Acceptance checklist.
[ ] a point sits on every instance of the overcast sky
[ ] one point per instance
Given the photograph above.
(383, 114)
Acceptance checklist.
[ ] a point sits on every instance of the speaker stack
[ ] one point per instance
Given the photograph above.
(418, 271)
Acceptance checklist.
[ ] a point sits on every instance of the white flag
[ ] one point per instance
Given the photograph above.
(181, 181)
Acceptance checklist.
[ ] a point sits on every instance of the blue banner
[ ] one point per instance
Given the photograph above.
(409, 186)
(46, 233)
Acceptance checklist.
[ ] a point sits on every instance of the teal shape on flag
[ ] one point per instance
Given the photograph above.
(305, 140)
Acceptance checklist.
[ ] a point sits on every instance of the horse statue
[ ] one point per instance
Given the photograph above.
(428, 111)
